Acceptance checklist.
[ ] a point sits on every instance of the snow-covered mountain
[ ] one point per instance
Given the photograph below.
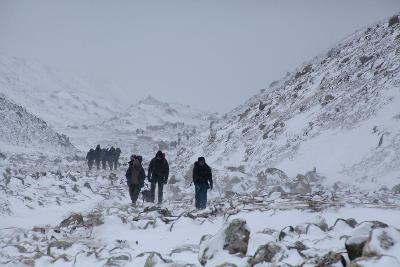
(59, 98)
(339, 113)
(152, 112)
(21, 131)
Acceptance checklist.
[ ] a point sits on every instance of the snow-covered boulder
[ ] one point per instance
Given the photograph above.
(379, 261)
(383, 241)
(232, 239)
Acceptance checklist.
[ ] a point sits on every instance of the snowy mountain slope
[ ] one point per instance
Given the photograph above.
(338, 112)
(145, 127)
(22, 131)
(61, 99)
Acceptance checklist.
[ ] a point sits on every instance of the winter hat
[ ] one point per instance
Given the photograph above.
(159, 154)
(201, 159)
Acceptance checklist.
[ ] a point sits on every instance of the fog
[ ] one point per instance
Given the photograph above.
(212, 55)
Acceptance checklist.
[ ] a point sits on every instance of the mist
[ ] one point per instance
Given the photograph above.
(212, 55)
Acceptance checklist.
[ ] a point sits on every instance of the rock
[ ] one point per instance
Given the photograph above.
(233, 239)
(120, 260)
(355, 244)
(270, 252)
(237, 237)
(75, 219)
(340, 223)
(354, 247)
(94, 219)
(383, 241)
(227, 264)
(287, 231)
(365, 59)
(393, 20)
(75, 188)
(327, 99)
(396, 189)
(87, 185)
(305, 70)
(155, 259)
(330, 259)
(299, 246)
(58, 244)
(379, 261)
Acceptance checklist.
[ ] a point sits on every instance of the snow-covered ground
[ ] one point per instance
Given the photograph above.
(306, 173)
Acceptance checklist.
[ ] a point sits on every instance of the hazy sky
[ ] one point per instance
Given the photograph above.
(209, 54)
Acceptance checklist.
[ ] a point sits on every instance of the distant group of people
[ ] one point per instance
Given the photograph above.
(157, 175)
(102, 157)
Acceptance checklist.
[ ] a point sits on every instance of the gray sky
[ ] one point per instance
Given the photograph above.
(209, 54)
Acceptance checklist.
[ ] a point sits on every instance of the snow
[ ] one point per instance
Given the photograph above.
(294, 174)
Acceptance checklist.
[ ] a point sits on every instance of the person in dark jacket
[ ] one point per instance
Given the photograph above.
(104, 157)
(135, 177)
(116, 158)
(90, 157)
(111, 157)
(202, 179)
(158, 175)
(97, 153)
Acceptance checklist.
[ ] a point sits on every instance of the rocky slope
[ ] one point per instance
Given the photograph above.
(338, 113)
(21, 131)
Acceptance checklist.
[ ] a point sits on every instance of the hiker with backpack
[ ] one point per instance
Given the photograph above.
(135, 177)
(158, 175)
(202, 179)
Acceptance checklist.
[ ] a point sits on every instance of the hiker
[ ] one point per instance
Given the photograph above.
(90, 157)
(135, 176)
(97, 155)
(111, 157)
(202, 179)
(158, 175)
(116, 158)
(104, 157)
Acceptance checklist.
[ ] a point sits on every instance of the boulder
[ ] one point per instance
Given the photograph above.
(237, 237)
(232, 240)
(270, 252)
(355, 244)
(330, 259)
(75, 219)
(396, 189)
(383, 241)
(379, 261)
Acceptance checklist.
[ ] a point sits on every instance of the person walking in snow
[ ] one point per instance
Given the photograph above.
(158, 173)
(116, 158)
(135, 177)
(90, 157)
(202, 179)
(97, 154)
(104, 157)
(111, 157)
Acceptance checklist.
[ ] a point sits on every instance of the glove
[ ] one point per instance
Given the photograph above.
(165, 181)
(211, 186)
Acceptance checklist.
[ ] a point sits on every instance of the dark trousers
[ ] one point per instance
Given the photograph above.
(116, 163)
(104, 164)
(90, 164)
(134, 191)
(160, 183)
(200, 195)
(110, 164)
(98, 164)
